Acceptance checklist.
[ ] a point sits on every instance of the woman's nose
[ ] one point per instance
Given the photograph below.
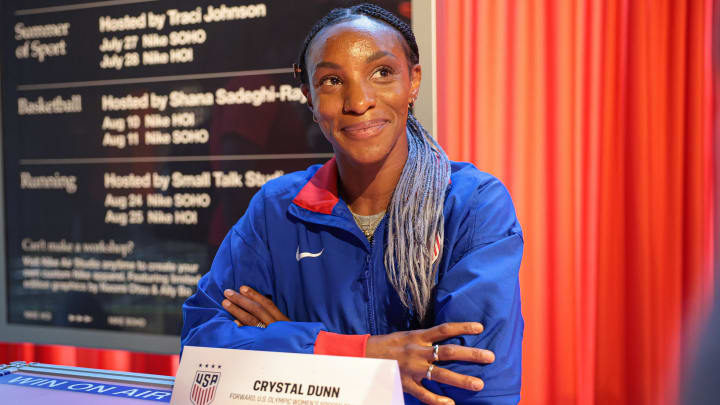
(359, 97)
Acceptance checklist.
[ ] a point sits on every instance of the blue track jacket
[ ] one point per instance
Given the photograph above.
(345, 289)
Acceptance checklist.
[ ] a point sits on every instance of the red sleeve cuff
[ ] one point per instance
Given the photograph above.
(335, 344)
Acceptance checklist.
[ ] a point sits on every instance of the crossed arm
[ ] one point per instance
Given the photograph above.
(412, 349)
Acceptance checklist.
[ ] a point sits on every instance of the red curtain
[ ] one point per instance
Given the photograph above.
(597, 115)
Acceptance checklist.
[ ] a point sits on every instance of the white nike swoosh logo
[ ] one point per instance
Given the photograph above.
(303, 255)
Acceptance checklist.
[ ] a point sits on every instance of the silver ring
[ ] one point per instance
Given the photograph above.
(435, 352)
(260, 325)
(428, 375)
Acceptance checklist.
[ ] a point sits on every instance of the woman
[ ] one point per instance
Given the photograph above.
(385, 251)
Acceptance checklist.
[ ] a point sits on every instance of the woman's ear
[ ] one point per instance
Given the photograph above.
(306, 92)
(415, 79)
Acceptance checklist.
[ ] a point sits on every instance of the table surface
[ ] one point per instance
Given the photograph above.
(79, 380)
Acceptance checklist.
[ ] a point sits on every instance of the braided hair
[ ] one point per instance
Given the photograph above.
(415, 212)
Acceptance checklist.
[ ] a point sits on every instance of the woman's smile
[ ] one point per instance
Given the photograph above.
(365, 129)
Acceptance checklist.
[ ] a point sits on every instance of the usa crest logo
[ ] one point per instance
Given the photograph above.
(204, 387)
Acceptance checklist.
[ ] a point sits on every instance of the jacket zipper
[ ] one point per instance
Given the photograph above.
(371, 294)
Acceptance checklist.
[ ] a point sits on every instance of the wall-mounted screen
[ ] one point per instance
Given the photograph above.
(134, 135)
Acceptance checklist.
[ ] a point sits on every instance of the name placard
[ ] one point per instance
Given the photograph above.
(234, 377)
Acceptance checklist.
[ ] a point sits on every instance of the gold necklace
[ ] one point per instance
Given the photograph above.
(368, 223)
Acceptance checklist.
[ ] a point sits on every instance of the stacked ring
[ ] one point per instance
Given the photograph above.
(260, 325)
(428, 375)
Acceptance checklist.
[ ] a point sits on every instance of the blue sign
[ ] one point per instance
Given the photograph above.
(88, 387)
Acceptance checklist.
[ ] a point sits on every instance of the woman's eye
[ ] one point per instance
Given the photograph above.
(382, 73)
(330, 81)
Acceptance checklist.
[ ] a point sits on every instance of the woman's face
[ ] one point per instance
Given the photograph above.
(359, 89)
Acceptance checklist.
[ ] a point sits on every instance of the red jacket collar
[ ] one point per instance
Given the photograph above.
(320, 194)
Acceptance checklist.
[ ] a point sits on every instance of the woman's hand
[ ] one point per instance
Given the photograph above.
(250, 308)
(415, 354)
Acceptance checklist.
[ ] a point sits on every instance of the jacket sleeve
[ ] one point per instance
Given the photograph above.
(242, 259)
(482, 286)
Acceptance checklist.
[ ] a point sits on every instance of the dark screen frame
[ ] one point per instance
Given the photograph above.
(423, 22)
